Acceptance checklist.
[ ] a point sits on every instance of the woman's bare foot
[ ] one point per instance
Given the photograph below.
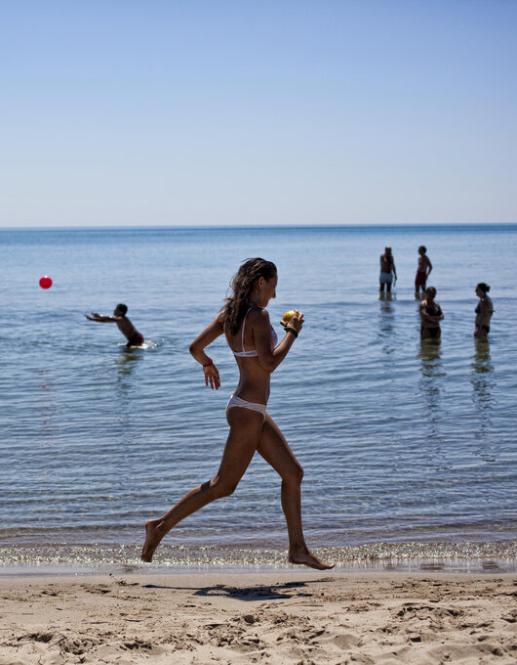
(304, 557)
(152, 540)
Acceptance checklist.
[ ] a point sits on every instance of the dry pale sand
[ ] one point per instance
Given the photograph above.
(300, 618)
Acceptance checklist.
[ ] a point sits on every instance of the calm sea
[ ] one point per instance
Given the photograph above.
(409, 451)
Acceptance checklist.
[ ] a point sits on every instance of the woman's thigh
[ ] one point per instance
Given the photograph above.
(276, 451)
(242, 442)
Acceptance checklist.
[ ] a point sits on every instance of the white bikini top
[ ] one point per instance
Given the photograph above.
(253, 353)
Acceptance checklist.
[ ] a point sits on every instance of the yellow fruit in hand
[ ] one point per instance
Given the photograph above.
(291, 313)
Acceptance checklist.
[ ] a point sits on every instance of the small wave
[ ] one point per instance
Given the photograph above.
(400, 557)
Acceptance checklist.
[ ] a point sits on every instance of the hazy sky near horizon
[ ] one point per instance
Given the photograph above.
(274, 112)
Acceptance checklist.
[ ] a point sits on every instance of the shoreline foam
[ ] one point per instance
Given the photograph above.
(439, 556)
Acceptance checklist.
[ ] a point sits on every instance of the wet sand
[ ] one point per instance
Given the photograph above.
(303, 618)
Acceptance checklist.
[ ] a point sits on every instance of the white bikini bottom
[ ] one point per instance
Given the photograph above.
(243, 404)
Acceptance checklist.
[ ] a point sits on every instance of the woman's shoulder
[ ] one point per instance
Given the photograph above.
(258, 315)
(220, 317)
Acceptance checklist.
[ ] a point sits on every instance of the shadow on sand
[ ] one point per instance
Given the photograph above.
(258, 592)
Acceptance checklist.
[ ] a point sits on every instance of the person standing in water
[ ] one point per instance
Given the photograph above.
(423, 271)
(134, 338)
(430, 315)
(388, 272)
(484, 311)
(244, 321)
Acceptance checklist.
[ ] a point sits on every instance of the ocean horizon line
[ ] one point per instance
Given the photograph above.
(429, 226)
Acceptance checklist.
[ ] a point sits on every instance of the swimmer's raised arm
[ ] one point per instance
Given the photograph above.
(99, 318)
(267, 357)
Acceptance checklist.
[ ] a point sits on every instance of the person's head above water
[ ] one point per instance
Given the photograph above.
(120, 310)
(387, 249)
(430, 293)
(254, 283)
(422, 249)
(482, 288)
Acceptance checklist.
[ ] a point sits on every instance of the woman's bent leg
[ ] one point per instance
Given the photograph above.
(275, 450)
(245, 431)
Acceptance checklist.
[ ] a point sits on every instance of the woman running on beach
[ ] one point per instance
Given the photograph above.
(244, 321)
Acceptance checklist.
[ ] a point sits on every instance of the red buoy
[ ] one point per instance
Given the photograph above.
(45, 282)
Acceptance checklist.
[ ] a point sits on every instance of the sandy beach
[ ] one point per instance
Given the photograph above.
(303, 618)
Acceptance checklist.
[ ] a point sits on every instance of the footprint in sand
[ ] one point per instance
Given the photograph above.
(101, 589)
(345, 641)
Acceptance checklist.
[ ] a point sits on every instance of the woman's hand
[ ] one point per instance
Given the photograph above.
(212, 376)
(296, 323)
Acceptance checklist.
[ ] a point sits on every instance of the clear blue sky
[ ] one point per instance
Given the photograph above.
(118, 112)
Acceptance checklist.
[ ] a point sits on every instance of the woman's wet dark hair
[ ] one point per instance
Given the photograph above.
(242, 284)
(483, 287)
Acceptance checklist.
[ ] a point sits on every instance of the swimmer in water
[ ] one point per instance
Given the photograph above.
(430, 315)
(134, 338)
(388, 274)
(423, 271)
(484, 311)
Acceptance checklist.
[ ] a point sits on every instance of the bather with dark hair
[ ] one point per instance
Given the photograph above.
(126, 327)
(423, 271)
(430, 315)
(484, 311)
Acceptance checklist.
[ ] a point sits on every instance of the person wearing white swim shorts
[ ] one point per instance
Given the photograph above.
(388, 274)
